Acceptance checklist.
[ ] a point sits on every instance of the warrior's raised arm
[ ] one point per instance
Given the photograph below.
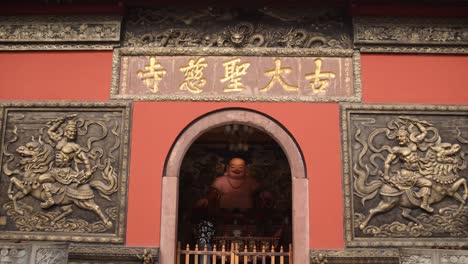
(52, 131)
(417, 138)
(54, 125)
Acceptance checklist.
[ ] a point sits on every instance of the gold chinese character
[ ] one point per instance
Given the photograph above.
(276, 77)
(320, 80)
(233, 73)
(152, 74)
(194, 80)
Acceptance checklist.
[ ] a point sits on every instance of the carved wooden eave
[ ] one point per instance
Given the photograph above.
(81, 32)
(411, 35)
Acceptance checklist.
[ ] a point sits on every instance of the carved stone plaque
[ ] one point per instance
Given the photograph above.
(64, 171)
(232, 78)
(405, 176)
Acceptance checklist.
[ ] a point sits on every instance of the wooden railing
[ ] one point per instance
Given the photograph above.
(233, 256)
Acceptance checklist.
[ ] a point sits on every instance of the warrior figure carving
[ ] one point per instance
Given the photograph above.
(60, 173)
(420, 171)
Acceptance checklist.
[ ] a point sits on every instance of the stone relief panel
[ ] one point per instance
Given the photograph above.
(405, 175)
(64, 171)
(34, 253)
(433, 256)
(237, 27)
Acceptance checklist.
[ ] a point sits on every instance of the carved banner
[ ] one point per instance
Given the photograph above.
(234, 78)
(405, 175)
(64, 171)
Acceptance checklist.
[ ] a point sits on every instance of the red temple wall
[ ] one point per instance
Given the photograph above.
(315, 126)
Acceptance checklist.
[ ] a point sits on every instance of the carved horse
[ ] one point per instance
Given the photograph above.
(36, 159)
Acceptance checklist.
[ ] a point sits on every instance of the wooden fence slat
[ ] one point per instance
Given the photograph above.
(272, 258)
(232, 253)
(281, 257)
(263, 256)
(205, 255)
(213, 257)
(223, 257)
(178, 253)
(236, 255)
(254, 259)
(187, 255)
(290, 254)
(245, 256)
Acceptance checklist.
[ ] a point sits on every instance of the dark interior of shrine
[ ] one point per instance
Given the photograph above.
(266, 221)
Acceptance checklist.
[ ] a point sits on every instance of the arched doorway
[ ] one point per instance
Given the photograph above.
(170, 182)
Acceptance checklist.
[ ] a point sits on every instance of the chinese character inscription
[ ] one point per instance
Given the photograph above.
(233, 77)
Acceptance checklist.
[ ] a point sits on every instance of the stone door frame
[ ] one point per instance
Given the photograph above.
(262, 122)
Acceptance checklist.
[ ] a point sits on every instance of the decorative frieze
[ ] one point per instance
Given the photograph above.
(410, 35)
(34, 253)
(237, 27)
(64, 171)
(433, 256)
(405, 175)
(110, 255)
(57, 32)
(355, 256)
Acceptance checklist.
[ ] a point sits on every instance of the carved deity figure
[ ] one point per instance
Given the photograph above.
(68, 154)
(410, 175)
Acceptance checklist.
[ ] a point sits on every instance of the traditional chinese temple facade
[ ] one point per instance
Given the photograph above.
(118, 116)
